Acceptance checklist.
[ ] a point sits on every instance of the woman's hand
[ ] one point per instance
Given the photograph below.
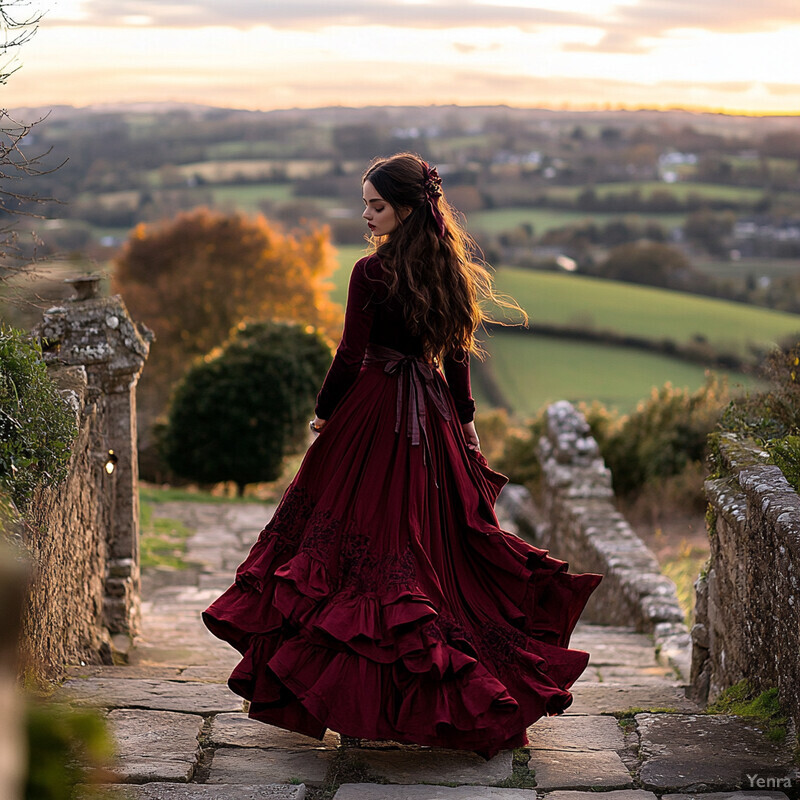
(471, 435)
(317, 424)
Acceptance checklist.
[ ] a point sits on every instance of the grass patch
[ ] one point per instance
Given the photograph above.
(630, 713)
(684, 569)
(626, 719)
(521, 775)
(157, 494)
(742, 700)
(162, 540)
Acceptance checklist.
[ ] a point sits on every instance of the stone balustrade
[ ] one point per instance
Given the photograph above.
(577, 521)
(748, 601)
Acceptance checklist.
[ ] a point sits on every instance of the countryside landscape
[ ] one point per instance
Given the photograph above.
(647, 247)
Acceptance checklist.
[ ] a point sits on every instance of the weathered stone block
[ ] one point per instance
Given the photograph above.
(673, 758)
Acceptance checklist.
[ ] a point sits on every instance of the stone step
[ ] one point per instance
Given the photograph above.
(140, 736)
(238, 730)
(244, 765)
(684, 751)
(377, 791)
(611, 698)
(177, 791)
(186, 696)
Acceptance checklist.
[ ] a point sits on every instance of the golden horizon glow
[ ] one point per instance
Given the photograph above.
(570, 54)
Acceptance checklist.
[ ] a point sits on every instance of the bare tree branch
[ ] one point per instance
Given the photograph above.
(16, 28)
(15, 31)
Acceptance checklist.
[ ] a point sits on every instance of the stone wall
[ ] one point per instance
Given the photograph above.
(577, 521)
(748, 602)
(82, 536)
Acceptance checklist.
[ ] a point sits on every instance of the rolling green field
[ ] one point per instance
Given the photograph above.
(681, 190)
(546, 219)
(533, 372)
(247, 198)
(757, 267)
(347, 255)
(575, 300)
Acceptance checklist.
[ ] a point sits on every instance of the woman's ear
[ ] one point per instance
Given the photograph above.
(403, 212)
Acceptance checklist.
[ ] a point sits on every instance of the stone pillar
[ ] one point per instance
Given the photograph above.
(98, 333)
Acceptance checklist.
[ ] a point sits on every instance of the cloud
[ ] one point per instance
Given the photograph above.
(613, 41)
(312, 14)
(467, 49)
(628, 29)
(654, 19)
(781, 89)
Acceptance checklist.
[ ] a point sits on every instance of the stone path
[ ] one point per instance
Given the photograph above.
(181, 734)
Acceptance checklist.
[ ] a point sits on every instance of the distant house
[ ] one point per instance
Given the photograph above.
(765, 237)
(669, 164)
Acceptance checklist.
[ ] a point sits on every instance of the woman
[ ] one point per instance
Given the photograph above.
(382, 600)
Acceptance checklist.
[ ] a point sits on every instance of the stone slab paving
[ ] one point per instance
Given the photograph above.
(377, 791)
(177, 791)
(164, 695)
(238, 730)
(125, 671)
(744, 795)
(704, 752)
(232, 765)
(643, 676)
(419, 765)
(140, 737)
(625, 794)
(606, 698)
(595, 769)
(178, 668)
(575, 734)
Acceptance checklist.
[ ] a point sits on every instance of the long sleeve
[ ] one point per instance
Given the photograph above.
(456, 372)
(350, 352)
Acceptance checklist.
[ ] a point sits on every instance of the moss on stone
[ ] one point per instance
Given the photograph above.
(743, 700)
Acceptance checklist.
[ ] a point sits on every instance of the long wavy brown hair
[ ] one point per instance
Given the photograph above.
(443, 284)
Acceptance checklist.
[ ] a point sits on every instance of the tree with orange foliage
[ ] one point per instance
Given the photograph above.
(194, 278)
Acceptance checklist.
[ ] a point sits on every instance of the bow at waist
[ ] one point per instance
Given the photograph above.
(421, 378)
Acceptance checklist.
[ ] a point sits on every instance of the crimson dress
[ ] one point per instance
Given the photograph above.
(382, 600)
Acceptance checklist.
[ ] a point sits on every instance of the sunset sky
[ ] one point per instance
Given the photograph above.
(710, 54)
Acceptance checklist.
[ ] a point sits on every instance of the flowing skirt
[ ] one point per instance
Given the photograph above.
(383, 601)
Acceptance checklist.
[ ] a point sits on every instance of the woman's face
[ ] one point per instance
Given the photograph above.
(380, 216)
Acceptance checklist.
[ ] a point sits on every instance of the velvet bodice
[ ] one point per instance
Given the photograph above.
(373, 317)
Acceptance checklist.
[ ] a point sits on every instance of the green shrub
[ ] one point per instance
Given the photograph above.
(37, 427)
(240, 410)
(518, 459)
(664, 435)
(774, 413)
(772, 417)
(785, 454)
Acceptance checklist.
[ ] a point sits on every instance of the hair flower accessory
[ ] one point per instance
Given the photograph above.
(432, 186)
